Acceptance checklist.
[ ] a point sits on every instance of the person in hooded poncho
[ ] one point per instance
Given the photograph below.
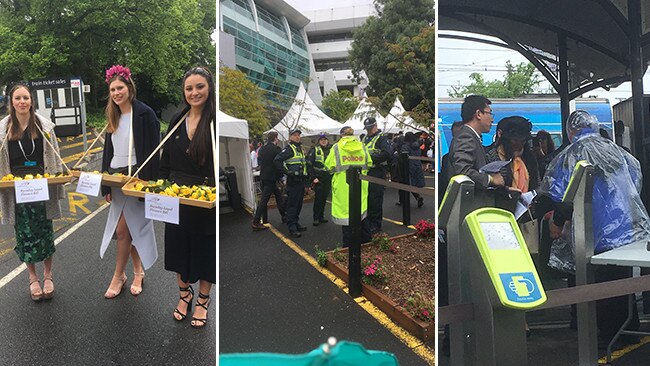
(619, 216)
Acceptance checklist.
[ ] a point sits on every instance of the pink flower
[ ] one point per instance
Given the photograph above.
(425, 313)
(118, 70)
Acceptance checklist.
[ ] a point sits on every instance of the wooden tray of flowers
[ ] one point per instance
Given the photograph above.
(198, 196)
(58, 178)
(112, 180)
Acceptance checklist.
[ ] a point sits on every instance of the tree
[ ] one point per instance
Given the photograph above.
(519, 80)
(240, 98)
(396, 49)
(157, 39)
(339, 105)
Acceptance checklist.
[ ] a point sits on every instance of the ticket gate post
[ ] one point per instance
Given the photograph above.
(457, 202)
(579, 192)
(504, 284)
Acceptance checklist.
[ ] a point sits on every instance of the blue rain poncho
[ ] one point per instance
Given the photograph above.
(619, 216)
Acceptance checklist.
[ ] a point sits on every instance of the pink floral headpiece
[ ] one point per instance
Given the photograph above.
(118, 70)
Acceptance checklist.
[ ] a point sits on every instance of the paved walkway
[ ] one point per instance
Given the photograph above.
(80, 327)
(273, 300)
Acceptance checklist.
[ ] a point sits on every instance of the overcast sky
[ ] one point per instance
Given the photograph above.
(307, 5)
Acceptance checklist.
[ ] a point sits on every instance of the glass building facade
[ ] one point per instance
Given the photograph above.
(276, 57)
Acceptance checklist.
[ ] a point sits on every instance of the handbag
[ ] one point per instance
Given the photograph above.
(530, 232)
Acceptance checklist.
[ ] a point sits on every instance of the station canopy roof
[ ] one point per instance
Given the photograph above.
(597, 34)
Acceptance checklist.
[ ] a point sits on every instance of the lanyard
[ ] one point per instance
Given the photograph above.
(23, 150)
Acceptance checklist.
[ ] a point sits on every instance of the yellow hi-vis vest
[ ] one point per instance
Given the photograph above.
(297, 162)
(370, 145)
(346, 153)
(319, 158)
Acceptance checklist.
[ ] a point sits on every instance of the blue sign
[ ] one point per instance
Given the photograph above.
(520, 287)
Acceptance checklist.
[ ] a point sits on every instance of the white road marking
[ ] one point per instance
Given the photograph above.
(13, 274)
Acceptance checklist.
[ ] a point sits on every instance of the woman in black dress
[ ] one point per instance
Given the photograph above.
(29, 146)
(190, 246)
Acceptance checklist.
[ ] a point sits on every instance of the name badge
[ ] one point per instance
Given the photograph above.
(32, 190)
(30, 163)
(161, 208)
(89, 184)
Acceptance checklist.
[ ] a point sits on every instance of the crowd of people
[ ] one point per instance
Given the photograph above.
(323, 168)
(29, 146)
(534, 164)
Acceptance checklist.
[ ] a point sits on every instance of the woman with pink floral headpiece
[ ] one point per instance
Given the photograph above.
(133, 133)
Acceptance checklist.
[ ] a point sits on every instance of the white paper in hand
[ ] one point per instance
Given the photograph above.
(524, 202)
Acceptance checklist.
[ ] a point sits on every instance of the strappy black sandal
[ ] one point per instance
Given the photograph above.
(186, 299)
(197, 322)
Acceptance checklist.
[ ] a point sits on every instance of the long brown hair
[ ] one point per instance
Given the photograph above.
(15, 133)
(200, 144)
(113, 110)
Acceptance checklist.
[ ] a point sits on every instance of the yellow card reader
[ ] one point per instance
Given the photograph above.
(504, 252)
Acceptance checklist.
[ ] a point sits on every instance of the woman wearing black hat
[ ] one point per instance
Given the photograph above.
(522, 173)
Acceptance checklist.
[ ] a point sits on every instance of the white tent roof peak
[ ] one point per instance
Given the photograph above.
(364, 110)
(307, 117)
(397, 116)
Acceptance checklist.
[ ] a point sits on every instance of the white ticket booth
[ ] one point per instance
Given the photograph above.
(62, 100)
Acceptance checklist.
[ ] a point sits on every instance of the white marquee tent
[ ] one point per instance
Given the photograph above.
(234, 151)
(306, 116)
(395, 117)
(363, 111)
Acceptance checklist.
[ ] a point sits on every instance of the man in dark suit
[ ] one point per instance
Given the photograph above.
(269, 176)
(466, 152)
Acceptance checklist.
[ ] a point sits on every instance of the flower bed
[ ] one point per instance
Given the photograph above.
(398, 276)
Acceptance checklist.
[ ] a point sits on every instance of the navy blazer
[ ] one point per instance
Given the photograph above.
(146, 137)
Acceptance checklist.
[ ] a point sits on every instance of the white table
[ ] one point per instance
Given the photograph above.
(631, 255)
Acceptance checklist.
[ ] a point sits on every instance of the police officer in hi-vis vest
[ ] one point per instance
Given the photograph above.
(321, 179)
(348, 152)
(291, 160)
(379, 150)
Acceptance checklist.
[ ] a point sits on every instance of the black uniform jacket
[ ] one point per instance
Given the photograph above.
(146, 137)
(265, 156)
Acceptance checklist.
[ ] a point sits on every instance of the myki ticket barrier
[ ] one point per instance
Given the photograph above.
(457, 202)
(504, 284)
(579, 193)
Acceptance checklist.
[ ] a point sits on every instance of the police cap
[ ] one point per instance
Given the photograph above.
(295, 130)
(369, 122)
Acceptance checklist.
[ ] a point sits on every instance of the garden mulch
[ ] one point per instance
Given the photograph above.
(409, 271)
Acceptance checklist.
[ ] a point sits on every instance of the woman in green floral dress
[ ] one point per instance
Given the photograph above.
(29, 146)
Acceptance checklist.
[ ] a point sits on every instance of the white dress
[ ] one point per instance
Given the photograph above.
(140, 228)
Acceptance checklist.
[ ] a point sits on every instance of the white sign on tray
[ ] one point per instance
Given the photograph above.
(89, 184)
(161, 208)
(31, 190)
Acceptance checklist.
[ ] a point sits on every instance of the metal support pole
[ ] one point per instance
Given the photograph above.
(405, 198)
(564, 84)
(584, 246)
(354, 250)
(637, 69)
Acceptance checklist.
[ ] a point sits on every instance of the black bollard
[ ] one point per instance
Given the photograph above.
(354, 250)
(405, 197)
